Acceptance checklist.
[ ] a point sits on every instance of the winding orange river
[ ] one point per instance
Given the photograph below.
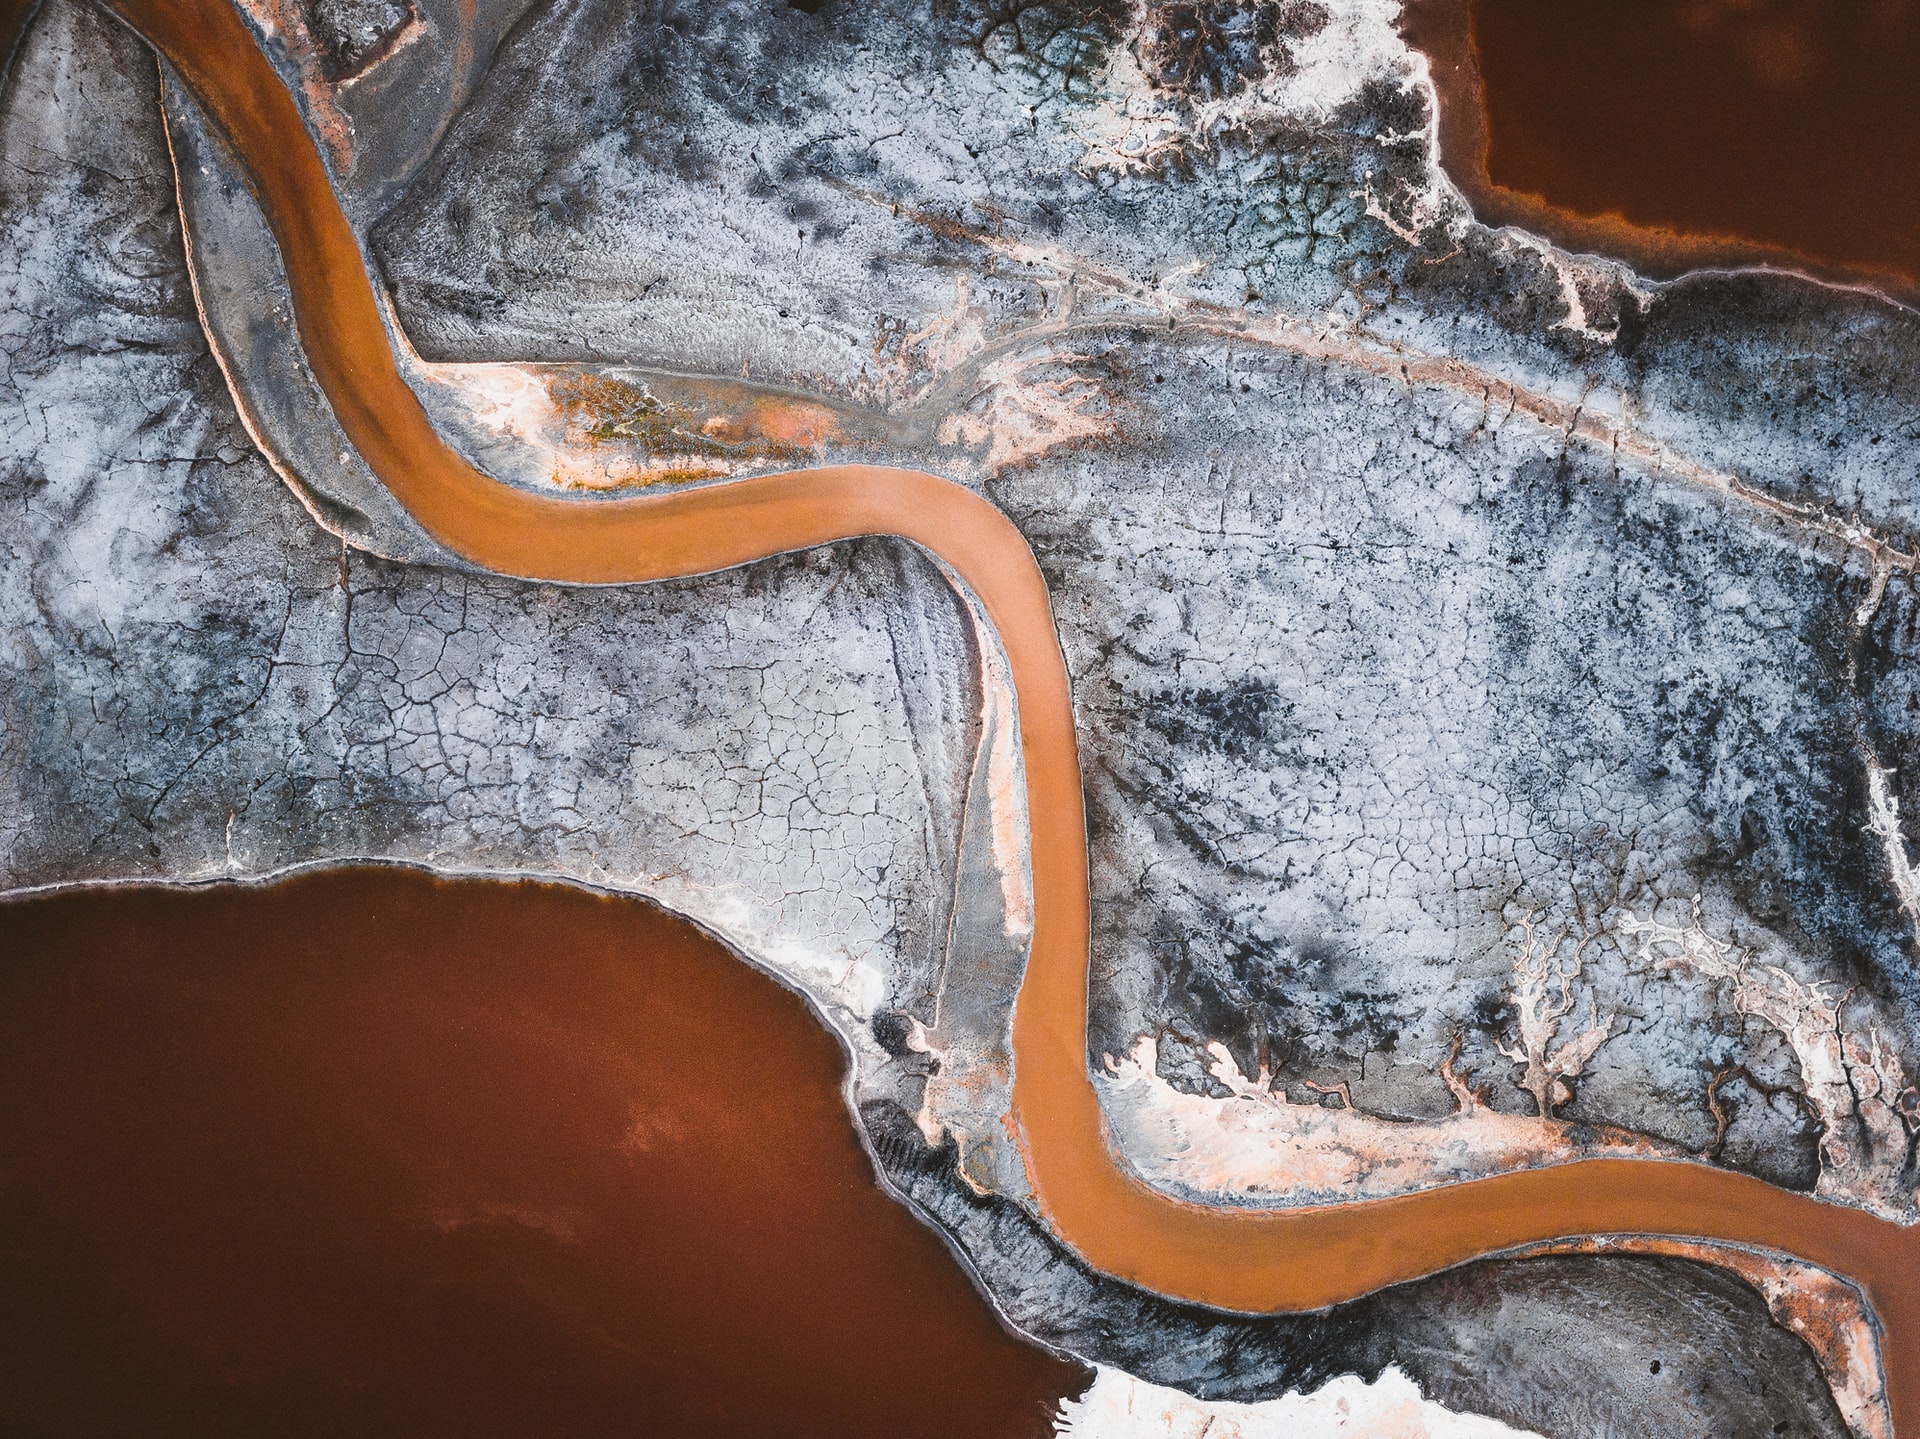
(1237, 1259)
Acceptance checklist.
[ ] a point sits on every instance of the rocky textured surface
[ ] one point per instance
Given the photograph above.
(202, 682)
(1531, 1338)
(1568, 627)
(355, 34)
(1445, 615)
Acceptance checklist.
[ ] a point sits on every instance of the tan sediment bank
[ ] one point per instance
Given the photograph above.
(1246, 1260)
(1683, 137)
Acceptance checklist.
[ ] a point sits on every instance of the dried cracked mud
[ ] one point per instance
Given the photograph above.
(1493, 669)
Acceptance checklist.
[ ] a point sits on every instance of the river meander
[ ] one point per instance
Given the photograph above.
(1247, 1260)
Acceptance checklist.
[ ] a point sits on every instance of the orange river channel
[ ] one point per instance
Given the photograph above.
(1237, 1259)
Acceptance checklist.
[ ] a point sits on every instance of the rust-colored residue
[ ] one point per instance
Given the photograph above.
(368, 1152)
(1680, 134)
(617, 433)
(1250, 1260)
(794, 424)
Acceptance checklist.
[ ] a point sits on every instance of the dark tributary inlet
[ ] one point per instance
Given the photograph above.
(367, 1151)
(1682, 133)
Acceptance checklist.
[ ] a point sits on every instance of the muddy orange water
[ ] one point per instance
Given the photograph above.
(1682, 133)
(369, 1152)
(1251, 1260)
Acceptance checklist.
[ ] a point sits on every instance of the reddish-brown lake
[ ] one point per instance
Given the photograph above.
(1686, 132)
(366, 1151)
(1249, 1260)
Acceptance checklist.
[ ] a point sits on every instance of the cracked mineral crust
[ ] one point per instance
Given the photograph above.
(1493, 672)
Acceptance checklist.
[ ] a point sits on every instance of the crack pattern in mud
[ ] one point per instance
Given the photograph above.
(1237, 1259)
(1003, 398)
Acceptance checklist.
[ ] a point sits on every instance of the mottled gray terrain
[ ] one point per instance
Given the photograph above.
(1447, 666)
(1436, 680)
(202, 682)
(1367, 670)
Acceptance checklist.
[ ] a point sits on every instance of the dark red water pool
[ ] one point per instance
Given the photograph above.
(1684, 132)
(369, 1152)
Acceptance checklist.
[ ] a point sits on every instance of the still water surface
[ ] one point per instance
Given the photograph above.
(368, 1151)
(1676, 133)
